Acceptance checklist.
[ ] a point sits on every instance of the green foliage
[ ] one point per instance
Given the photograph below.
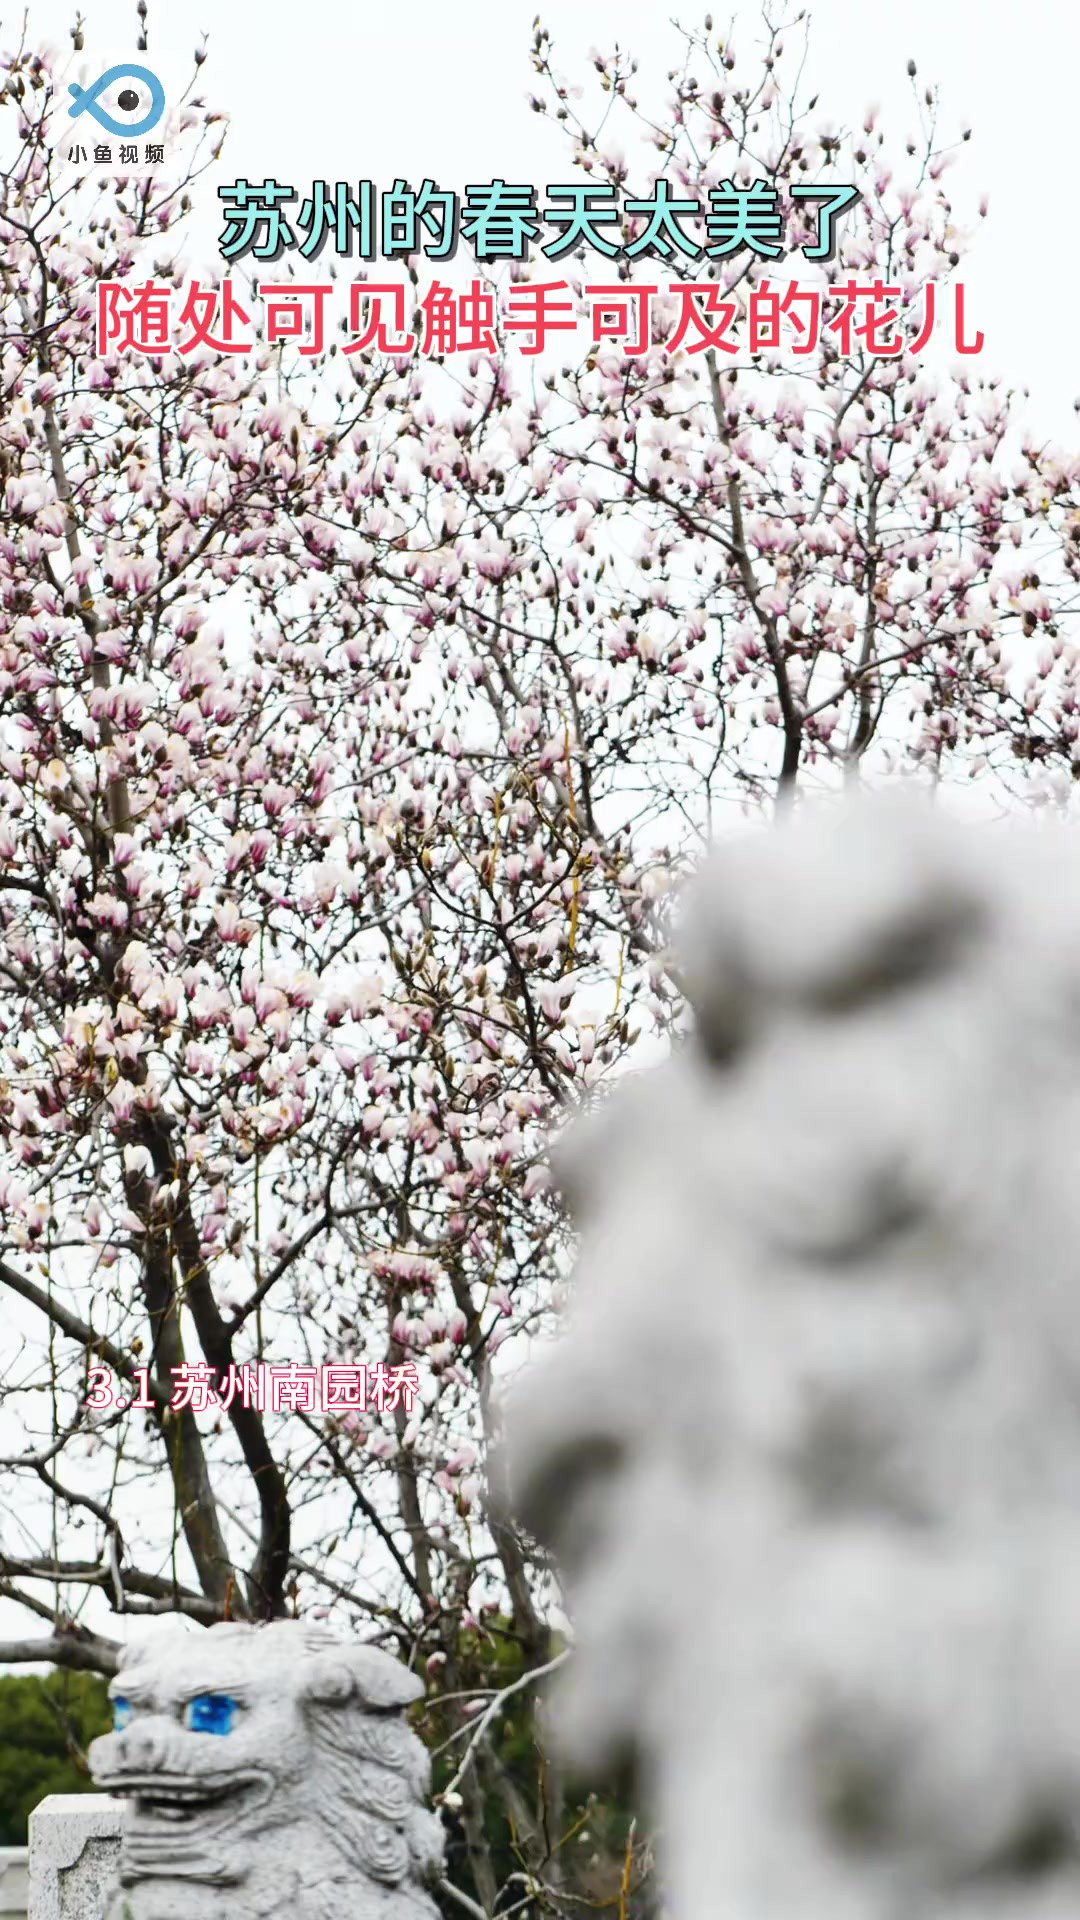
(530, 1821)
(46, 1724)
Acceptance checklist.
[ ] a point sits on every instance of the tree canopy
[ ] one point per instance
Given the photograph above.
(355, 726)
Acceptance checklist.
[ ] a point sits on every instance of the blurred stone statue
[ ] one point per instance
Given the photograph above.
(808, 1452)
(269, 1772)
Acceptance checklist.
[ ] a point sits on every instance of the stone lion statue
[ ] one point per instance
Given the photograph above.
(269, 1772)
(808, 1452)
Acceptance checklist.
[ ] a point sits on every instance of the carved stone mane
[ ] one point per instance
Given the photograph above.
(809, 1450)
(270, 1772)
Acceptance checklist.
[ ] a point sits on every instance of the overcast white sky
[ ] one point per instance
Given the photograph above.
(344, 91)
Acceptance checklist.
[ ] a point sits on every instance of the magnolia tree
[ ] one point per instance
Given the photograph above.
(354, 724)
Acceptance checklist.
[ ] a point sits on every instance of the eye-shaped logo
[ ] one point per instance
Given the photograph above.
(85, 100)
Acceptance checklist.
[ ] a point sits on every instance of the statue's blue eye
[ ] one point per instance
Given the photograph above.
(121, 1714)
(211, 1713)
